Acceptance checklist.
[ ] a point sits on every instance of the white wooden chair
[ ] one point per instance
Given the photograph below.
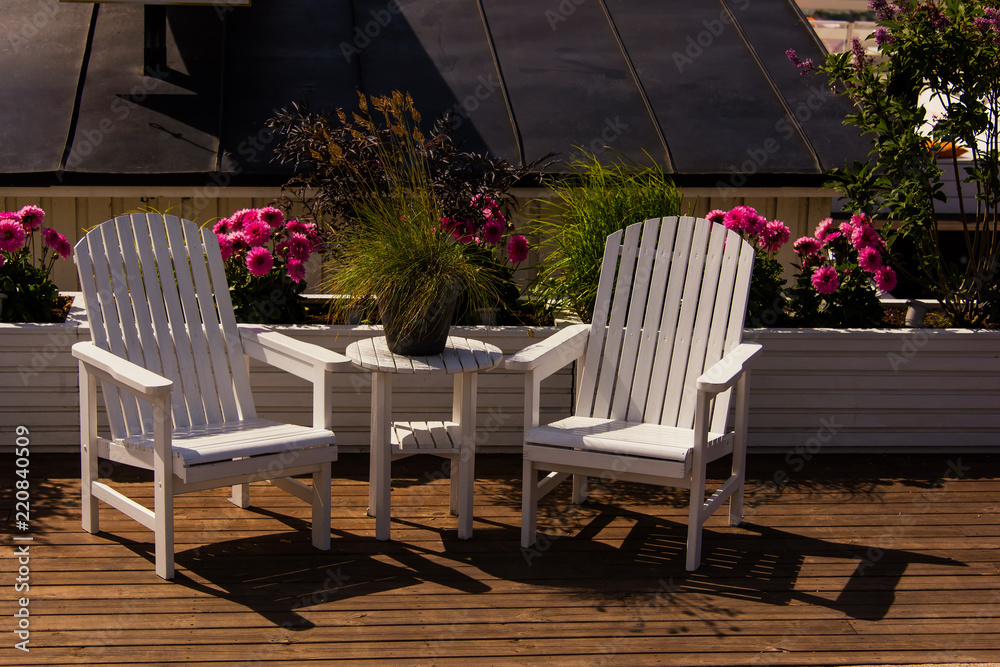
(170, 357)
(656, 371)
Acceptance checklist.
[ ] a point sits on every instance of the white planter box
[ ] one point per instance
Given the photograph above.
(812, 388)
(39, 383)
(876, 389)
(40, 387)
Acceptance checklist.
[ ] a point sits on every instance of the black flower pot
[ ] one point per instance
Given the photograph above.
(425, 336)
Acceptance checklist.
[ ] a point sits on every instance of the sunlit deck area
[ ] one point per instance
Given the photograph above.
(847, 560)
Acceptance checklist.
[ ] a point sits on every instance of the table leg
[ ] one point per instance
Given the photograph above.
(464, 412)
(380, 476)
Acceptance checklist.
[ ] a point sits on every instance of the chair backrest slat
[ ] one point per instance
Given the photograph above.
(677, 306)
(609, 376)
(154, 286)
(599, 326)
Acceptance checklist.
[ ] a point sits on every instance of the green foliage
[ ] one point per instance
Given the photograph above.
(947, 52)
(593, 202)
(31, 296)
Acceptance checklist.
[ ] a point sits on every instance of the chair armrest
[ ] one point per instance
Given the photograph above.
(120, 372)
(553, 353)
(726, 371)
(288, 354)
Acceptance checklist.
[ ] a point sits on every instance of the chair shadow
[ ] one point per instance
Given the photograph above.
(742, 565)
(277, 575)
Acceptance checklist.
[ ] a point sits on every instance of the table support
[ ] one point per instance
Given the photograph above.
(463, 411)
(380, 484)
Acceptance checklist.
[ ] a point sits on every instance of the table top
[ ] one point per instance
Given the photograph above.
(461, 355)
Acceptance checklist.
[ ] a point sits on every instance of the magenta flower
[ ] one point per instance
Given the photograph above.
(885, 279)
(239, 241)
(447, 224)
(716, 215)
(257, 232)
(744, 219)
(12, 236)
(225, 246)
(31, 217)
(464, 232)
(517, 249)
(823, 232)
(299, 247)
(865, 236)
(224, 226)
(870, 259)
(805, 66)
(259, 261)
(57, 242)
(774, 235)
(272, 216)
(807, 246)
(825, 280)
(238, 220)
(492, 232)
(296, 270)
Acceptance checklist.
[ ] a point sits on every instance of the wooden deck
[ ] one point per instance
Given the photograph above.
(854, 560)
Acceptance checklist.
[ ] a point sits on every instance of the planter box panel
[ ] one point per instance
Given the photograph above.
(884, 388)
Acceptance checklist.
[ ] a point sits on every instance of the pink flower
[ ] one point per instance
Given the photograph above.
(870, 259)
(31, 217)
(492, 232)
(239, 219)
(774, 235)
(296, 270)
(447, 224)
(299, 247)
(865, 236)
(464, 232)
(57, 242)
(823, 232)
(12, 236)
(225, 246)
(885, 279)
(257, 232)
(239, 241)
(2, 261)
(715, 215)
(517, 249)
(806, 246)
(272, 216)
(825, 280)
(259, 261)
(744, 219)
(223, 226)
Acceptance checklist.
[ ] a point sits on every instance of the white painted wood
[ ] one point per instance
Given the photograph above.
(675, 294)
(462, 358)
(153, 282)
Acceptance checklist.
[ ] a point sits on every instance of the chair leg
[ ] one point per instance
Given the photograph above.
(89, 504)
(697, 501)
(579, 489)
(241, 495)
(163, 511)
(529, 505)
(321, 507)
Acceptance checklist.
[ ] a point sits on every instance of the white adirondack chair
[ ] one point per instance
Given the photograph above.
(170, 358)
(656, 371)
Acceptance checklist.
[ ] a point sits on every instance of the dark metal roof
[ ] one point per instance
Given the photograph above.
(117, 93)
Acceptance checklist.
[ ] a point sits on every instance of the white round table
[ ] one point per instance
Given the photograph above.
(454, 440)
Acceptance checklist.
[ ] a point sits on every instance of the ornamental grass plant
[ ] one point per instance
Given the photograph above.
(401, 246)
(595, 200)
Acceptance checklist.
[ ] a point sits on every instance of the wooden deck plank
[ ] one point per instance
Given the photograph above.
(858, 560)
